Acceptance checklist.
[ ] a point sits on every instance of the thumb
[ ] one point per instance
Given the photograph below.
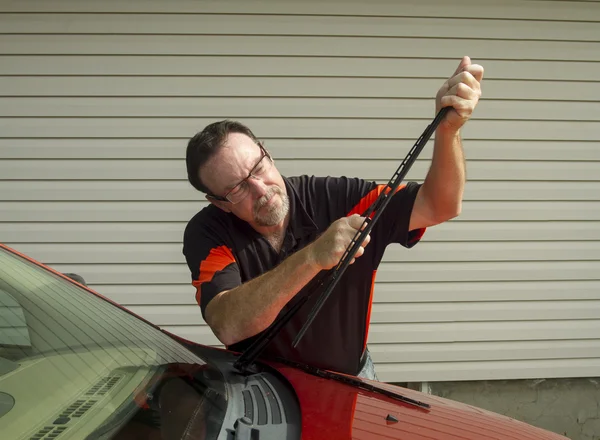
(356, 221)
(466, 61)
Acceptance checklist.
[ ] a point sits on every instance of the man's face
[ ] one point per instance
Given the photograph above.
(265, 202)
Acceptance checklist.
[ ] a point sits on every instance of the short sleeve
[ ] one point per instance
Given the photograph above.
(211, 263)
(396, 216)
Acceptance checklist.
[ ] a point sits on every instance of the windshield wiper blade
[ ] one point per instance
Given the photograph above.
(254, 350)
(378, 207)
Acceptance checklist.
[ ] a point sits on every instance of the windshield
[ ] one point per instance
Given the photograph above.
(73, 365)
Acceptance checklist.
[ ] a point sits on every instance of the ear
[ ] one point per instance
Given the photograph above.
(219, 204)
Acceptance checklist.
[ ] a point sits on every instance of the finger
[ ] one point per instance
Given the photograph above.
(462, 91)
(477, 71)
(466, 78)
(474, 70)
(462, 106)
(366, 241)
(359, 252)
(461, 66)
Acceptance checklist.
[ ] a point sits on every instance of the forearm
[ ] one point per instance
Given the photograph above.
(247, 310)
(445, 181)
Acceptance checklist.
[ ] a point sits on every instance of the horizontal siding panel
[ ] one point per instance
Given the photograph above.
(183, 211)
(417, 313)
(484, 351)
(169, 253)
(174, 65)
(485, 311)
(183, 293)
(300, 86)
(466, 231)
(234, 108)
(394, 149)
(499, 290)
(483, 331)
(172, 232)
(277, 25)
(493, 370)
(383, 170)
(143, 232)
(489, 271)
(529, 211)
(549, 10)
(388, 272)
(98, 190)
(349, 46)
(292, 128)
(181, 190)
(100, 211)
(496, 251)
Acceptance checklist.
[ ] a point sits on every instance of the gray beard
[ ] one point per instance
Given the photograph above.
(275, 214)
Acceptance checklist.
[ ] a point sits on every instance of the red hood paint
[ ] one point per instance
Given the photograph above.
(335, 411)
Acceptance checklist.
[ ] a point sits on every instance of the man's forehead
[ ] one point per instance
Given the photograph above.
(238, 150)
(232, 162)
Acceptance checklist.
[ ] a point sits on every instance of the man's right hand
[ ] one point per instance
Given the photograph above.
(327, 251)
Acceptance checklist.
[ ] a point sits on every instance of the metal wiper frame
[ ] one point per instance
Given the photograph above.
(334, 275)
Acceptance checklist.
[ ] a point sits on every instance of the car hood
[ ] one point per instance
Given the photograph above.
(332, 410)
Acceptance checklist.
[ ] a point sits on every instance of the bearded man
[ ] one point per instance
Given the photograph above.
(264, 236)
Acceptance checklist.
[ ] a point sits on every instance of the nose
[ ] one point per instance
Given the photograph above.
(257, 186)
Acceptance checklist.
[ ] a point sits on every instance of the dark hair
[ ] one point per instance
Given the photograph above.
(206, 143)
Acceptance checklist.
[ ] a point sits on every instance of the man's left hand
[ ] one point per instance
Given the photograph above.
(462, 92)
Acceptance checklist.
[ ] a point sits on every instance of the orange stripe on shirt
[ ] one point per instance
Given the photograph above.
(368, 200)
(359, 209)
(217, 259)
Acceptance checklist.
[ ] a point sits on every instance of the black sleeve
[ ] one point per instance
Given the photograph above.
(211, 262)
(396, 216)
(346, 196)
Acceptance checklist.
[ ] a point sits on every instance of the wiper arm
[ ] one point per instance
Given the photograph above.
(254, 350)
(354, 382)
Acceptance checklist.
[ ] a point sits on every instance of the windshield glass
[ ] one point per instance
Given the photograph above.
(73, 365)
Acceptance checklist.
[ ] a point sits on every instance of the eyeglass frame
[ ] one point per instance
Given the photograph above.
(224, 198)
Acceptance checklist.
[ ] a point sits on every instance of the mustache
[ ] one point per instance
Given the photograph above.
(264, 199)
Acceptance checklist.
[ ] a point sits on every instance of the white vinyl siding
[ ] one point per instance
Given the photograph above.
(98, 100)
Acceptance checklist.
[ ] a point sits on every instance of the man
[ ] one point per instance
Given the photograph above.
(264, 236)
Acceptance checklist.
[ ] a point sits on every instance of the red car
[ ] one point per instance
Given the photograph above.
(75, 365)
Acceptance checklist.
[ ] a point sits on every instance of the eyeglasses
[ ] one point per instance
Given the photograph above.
(241, 190)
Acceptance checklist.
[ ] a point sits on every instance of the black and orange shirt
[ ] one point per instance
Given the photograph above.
(223, 252)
